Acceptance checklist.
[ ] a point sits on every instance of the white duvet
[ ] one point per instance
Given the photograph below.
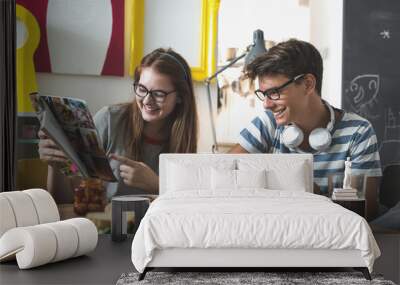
(253, 218)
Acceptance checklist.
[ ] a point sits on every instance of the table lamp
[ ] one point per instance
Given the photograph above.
(251, 52)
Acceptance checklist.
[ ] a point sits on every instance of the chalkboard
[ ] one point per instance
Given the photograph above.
(371, 69)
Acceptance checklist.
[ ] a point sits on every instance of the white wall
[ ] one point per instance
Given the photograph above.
(327, 35)
(279, 20)
(98, 91)
(158, 32)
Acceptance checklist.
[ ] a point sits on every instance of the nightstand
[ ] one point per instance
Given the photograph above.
(356, 205)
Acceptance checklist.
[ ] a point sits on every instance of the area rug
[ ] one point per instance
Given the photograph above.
(243, 278)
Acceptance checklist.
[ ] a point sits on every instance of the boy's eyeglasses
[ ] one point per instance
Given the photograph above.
(274, 93)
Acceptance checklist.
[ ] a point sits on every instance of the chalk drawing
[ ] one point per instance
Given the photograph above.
(392, 126)
(390, 144)
(385, 34)
(363, 95)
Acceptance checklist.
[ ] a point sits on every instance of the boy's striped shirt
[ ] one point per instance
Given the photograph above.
(352, 136)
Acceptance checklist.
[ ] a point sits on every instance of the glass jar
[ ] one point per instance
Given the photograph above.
(89, 196)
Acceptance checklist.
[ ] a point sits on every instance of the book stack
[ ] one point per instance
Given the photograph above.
(344, 194)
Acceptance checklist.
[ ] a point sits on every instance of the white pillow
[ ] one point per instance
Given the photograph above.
(184, 175)
(223, 179)
(283, 174)
(251, 178)
(297, 181)
(236, 179)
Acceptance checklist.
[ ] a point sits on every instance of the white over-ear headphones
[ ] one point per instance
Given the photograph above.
(319, 139)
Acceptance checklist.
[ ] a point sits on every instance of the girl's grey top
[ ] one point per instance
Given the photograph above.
(110, 124)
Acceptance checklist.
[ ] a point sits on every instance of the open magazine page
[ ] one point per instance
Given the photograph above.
(52, 128)
(76, 123)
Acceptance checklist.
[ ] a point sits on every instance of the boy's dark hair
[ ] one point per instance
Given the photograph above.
(289, 58)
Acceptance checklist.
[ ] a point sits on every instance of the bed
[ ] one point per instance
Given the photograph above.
(247, 210)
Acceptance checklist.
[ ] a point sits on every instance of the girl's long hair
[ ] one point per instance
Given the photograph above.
(182, 122)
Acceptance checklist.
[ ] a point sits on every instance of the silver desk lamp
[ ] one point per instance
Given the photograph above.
(252, 51)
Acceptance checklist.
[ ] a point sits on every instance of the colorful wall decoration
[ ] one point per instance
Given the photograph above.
(79, 37)
(26, 47)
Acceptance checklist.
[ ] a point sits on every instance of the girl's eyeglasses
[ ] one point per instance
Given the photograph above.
(158, 95)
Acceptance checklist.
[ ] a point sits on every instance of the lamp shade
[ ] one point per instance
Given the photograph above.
(257, 48)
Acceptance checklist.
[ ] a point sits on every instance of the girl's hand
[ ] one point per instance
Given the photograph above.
(49, 151)
(137, 174)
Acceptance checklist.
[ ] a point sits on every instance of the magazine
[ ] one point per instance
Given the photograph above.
(68, 122)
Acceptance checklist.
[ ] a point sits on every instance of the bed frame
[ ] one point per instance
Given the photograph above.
(250, 258)
(256, 258)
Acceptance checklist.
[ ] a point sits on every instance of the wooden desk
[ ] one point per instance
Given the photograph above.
(102, 266)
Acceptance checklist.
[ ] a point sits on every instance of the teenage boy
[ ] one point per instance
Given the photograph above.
(297, 120)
